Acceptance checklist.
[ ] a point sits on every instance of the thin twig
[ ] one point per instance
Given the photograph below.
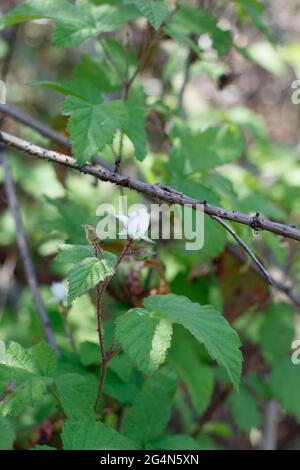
(24, 252)
(287, 289)
(14, 208)
(186, 78)
(156, 191)
(245, 247)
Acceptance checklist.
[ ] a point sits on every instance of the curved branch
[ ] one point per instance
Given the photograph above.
(156, 191)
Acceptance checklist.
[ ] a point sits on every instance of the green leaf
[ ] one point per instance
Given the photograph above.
(120, 391)
(206, 325)
(155, 11)
(30, 370)
(144, 338)
(277, 331)
(86, 275)
(244, 410)
(175, 442)
(73, 23)
(151, 409)
(198, 376)
(135, 129)
(7, 434)
(92, 126)
(189, 20)
(87, 434)
(70, 254)
(201, 151)
(36, 9)
(77, 394)
(285, 384)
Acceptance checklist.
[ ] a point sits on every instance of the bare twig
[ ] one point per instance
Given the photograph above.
(287, 289)
(186, 78)
(154, 191)
(245, 247)
(24, 251)
(14, 208)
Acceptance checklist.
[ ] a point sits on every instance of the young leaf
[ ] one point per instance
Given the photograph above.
(206, 324)
(135, 331)
(92, 126)
(144, 338)
(86, 275)
(88, 434)
(151, 409)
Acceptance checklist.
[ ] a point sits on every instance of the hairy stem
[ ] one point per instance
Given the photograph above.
(105, 356)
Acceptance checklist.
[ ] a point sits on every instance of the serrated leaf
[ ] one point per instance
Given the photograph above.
(88, 434)
(73, 23)
(135, 130)
(244, 410)
(7, 434)
(206, 324)
(155, 11)
(144, 338)
(70, 254)
(77, 394)
(92, 126)
(86, 275)
(30, 370)
(151, 409)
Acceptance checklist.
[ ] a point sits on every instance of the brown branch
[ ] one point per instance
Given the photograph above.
(155, 191)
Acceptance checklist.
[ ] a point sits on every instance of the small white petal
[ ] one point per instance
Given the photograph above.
(147, 239)
(123, 219)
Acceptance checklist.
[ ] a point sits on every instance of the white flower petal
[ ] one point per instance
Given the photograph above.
(123, 219)
(147, 239)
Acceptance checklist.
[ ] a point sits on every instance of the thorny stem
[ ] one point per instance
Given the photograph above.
(105, 356)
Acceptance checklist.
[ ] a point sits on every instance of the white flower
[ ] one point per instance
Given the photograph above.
(59, 291)
(136, 226)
